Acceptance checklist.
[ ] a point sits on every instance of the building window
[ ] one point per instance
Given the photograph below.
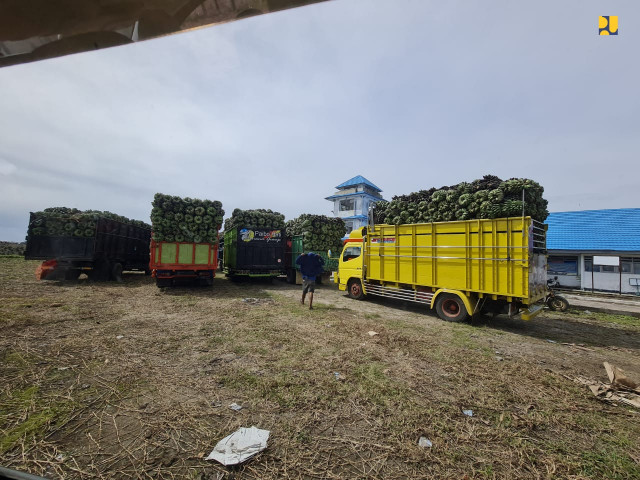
(348, 227)
(563, 265)
(588, 265)
(346, 205)
(630, 265)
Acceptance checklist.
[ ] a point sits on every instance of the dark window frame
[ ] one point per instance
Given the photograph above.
(566, 260)
(350, 252)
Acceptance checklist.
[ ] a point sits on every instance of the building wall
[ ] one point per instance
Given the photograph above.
(567, 280)
(567, 268)
(611, 281)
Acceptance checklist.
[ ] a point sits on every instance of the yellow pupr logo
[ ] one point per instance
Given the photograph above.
(608, 25)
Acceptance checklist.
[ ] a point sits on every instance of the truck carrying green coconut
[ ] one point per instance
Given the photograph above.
(254, 244)
(184, 244)
(100, 244)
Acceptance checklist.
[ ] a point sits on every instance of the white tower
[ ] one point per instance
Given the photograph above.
(351, 201)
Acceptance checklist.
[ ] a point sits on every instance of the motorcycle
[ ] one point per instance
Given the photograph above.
(556, 303)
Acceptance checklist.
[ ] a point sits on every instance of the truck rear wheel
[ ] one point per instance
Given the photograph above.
(72, 274)
(100, 271)
(354, 287)
(450, 308)
(116, 272)
(55, 274)
(291, 276)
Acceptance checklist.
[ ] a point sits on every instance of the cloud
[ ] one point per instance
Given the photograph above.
(274, 111)
(7, 168)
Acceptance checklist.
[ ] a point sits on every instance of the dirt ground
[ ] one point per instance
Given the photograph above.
(130, 381)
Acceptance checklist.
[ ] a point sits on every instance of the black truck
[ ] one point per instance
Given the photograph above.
(253, 252)
(114, 247)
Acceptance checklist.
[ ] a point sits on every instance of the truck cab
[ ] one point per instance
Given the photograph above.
(351, 264)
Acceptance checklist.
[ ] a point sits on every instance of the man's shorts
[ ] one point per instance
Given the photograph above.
(308, 286)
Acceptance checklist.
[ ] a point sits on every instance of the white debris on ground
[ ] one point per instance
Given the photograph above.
(240, 446)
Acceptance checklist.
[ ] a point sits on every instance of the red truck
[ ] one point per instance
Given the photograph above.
(171, 262)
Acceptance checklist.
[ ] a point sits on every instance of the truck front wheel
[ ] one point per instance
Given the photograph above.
(354, 287)
(451, 308)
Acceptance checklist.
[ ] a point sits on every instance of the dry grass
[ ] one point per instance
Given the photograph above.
(76, 401)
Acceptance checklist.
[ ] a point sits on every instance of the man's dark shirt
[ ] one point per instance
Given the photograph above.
(311, 265)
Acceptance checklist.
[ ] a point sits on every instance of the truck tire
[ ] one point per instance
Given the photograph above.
(100, 271)
(354, 287)
(116, 272)
(291, 276)
(450, 308)
(72, 274)
(558, 303)
(55, 274)
(163, 282)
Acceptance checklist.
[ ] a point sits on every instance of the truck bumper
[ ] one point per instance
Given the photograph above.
(531, 312)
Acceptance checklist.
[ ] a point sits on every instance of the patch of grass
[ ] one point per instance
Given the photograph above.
(609, 463)
(240, 380)
(626, 320)
(375, 386)
(403, 325)
(27, 414)
(14, 359)
(285, 389)
(185, 300)
(412, 379)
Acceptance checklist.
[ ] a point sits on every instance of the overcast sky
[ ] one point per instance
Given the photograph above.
(275, 111)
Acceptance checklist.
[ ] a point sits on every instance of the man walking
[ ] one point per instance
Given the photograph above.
(311, 265)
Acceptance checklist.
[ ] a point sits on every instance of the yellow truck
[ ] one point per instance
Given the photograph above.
(460, 268)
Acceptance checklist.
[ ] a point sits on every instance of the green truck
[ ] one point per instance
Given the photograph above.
(295, 248)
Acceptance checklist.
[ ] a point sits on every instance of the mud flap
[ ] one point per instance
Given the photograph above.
(531, 312)
(45, 268)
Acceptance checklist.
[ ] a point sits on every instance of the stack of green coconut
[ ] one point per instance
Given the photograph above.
(12, 248)
(320, 232)
(489, 197)
(71, 222)
(176, 219)
(255, 219)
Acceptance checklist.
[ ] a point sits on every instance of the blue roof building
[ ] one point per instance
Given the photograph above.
(352, 199)
(595, 249)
